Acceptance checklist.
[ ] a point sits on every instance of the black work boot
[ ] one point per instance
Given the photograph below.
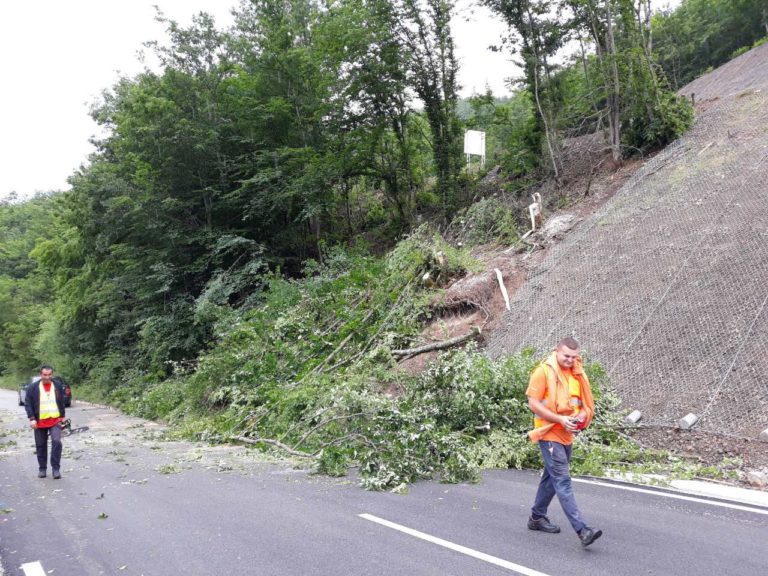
(589, 535)
(41, 474)
(543, 525)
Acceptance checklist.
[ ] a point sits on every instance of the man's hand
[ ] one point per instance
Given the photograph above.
(33, 423)
(568, 423)
(538, 408)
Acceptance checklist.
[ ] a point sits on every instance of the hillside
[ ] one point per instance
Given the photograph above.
(663, 282)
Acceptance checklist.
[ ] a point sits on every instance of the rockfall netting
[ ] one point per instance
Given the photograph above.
(667, 284)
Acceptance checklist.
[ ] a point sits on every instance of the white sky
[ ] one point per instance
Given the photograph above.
(59, 55)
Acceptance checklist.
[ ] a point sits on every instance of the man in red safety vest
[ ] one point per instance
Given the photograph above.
(560, 397)
(44, 403)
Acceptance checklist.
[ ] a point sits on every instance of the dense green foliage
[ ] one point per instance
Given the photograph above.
(612, 84)
(702, 34)
(311, 370)
(244, 251)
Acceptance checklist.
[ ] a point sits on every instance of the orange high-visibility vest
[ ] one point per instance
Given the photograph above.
(558, 397)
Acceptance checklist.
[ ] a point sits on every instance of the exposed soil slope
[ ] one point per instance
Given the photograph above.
(659, 267)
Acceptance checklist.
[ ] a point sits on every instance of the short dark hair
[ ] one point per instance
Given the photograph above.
(568, 342)
(46, 367)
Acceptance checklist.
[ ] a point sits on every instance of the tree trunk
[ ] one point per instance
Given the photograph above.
(589, 85)
(435, 67)
(536, 64)
(643, 12)
(438, 345)
(614, 97)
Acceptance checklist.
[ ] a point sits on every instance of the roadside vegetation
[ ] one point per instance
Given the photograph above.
(261, 234)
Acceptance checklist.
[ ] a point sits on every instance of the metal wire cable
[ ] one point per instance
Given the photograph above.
(666, 285)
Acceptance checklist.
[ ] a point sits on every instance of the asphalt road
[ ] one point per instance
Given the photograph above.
(131, 503)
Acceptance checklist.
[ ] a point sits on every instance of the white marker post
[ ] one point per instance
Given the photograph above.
(534, 211)
(503, 288)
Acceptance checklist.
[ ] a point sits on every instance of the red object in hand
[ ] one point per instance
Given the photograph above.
(581, 420)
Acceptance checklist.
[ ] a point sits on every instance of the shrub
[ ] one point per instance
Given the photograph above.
(670, 118)
(740, 51)
(426, 252)
(310, 367)
(488, 220)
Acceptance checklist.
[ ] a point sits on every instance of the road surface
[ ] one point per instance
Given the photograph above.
(132, 503)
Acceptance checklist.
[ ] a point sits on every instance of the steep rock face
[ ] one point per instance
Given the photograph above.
(666, 285)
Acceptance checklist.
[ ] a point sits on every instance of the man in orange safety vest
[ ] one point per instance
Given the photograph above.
(561, 398)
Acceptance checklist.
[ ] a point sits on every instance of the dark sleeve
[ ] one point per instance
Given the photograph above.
(60, 398)
(29, 402)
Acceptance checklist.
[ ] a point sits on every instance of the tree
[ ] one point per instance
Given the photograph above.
(540, 33)
(370, 115)
(703, 34)
(425, 31)
(26, 290)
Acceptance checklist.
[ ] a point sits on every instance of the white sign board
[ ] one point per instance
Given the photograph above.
(474, 143)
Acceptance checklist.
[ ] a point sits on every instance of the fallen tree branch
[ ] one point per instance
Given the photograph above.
(272, 443)
(392, 310)
(319, 368)
(324, 422)
(438, 345)
(298, 423)
(340, 440)
(339, 321)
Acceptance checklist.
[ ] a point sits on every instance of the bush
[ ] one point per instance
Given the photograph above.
(670, 118)
(745, 49)
(426, 252)
(488, 220)
(333, 461)
(740, 51)
(310, 366)
(504, 448)
(159, 401)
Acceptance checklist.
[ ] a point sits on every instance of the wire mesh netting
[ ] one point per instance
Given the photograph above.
(667, 284)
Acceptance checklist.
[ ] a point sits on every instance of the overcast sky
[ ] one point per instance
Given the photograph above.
(59, 55)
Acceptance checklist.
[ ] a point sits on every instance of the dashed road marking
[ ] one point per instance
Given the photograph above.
(456, 547)
(33, 569)
(676, 496)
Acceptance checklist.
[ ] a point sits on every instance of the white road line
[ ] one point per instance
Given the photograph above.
(33, 569)
(462, 549)
(676, 496)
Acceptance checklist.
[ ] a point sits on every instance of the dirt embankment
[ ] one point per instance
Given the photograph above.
(672, 251)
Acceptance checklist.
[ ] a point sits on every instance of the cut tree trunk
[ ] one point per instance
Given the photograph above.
(438, 345)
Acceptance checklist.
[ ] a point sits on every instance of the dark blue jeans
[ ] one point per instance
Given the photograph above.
(41, 444)
(556, 479)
